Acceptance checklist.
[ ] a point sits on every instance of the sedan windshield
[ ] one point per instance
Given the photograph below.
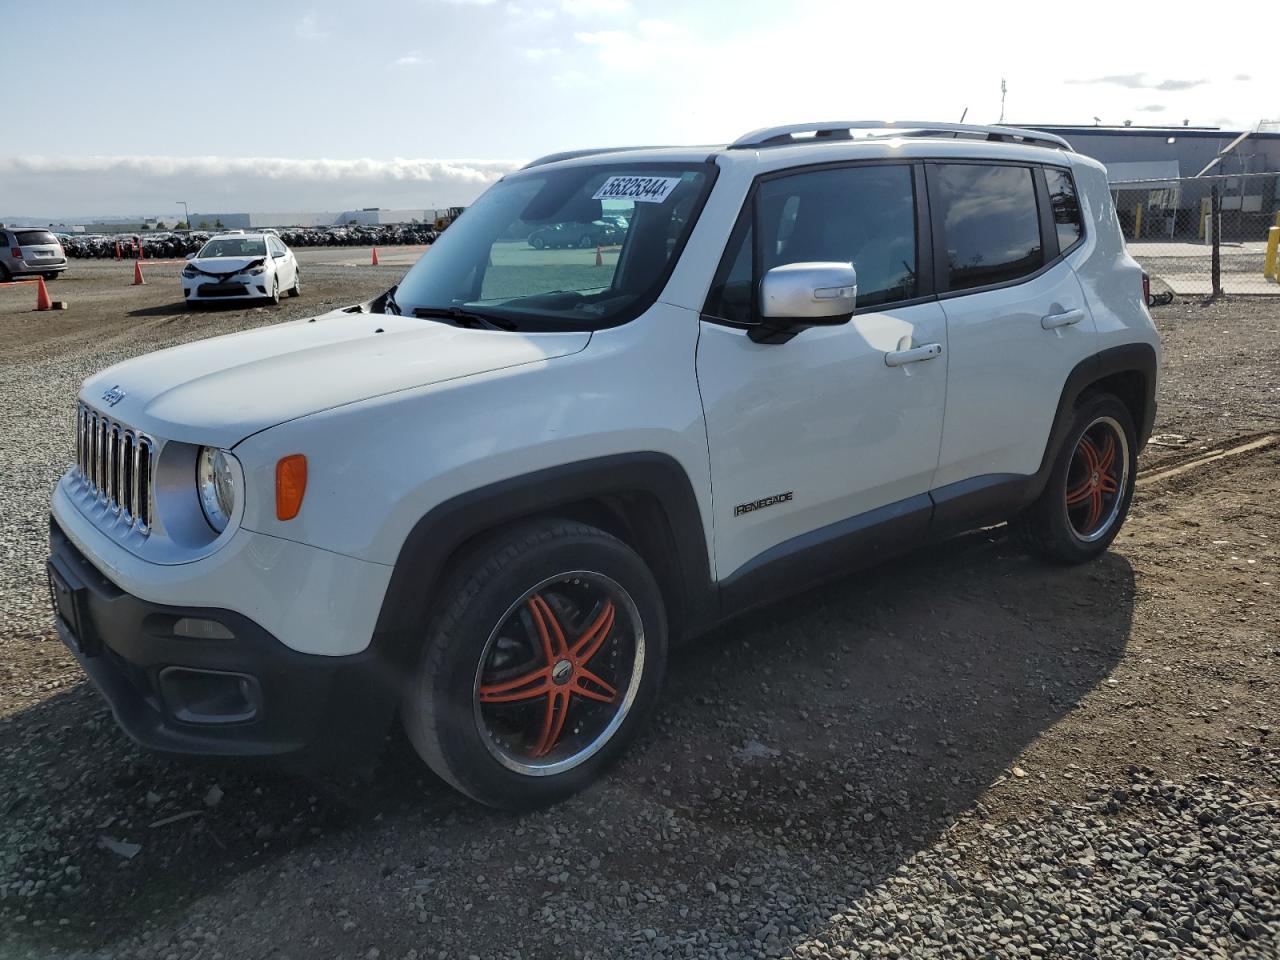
(233, 247)
(576, 248)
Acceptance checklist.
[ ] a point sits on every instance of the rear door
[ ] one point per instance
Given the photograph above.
(1017, 319)
(820, 441)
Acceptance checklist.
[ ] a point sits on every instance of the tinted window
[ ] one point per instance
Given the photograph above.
(1065, 206)
(991, 225)
(28, 238)
(862, 215)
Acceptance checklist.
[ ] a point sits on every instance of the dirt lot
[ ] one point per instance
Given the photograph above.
(965, 753)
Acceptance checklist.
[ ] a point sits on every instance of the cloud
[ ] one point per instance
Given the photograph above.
(1151, 108)
(652, 41)
(1242, 77)
(522, 12)
(542, 53)
(308, 27)
(1137, 81)
(587, 8)
(79, 186)
(410, 59)
(470, 3)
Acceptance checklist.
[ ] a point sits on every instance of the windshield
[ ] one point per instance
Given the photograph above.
(570, 249)
(234, 247)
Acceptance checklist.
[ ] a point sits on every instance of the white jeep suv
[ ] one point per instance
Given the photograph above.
(487, 500)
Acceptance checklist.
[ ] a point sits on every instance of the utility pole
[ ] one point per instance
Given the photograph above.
(186, 217)
(1003, 90)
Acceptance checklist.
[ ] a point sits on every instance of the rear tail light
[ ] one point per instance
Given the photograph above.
(1146, 289)
(15, 252)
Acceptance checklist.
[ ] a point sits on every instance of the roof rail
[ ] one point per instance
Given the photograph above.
(574, 154)
(842, 130)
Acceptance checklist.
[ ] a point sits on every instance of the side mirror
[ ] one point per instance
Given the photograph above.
(795, 296)
(192, 255)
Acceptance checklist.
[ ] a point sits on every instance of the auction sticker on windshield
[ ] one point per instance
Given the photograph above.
(640, 189)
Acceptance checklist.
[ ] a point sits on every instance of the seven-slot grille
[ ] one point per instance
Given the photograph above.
(117, 463)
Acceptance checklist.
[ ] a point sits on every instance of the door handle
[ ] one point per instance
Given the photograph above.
(926, 351)
(1053, 321)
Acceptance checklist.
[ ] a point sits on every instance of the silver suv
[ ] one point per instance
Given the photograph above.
(30, 250)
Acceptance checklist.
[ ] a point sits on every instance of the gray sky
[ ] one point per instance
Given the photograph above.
(124, 108)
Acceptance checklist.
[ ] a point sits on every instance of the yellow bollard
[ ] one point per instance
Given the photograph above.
(1137, 222)
(1273, 244)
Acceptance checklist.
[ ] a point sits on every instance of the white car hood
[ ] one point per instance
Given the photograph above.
(219, 391)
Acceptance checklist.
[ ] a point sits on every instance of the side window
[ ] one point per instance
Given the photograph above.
(864, 215)
(1066, 208)
(990, 222)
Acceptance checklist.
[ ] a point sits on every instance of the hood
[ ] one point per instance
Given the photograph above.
(219, 391)
(225, 266)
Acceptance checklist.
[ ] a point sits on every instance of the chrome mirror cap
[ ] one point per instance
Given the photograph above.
(809, 291)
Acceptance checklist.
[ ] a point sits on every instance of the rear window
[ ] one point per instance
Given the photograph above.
(1066, 208)
(991, 223)
(30, 238)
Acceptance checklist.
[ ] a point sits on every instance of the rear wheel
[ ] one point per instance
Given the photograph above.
(537, 243)
(1090, 488)
(54, 275)
(585, 242)
(542, 664)
(5, 275)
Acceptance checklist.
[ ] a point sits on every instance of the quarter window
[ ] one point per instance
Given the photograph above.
(1065, 206)
(990, 222)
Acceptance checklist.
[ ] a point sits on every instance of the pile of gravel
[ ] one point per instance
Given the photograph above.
(1151, 869)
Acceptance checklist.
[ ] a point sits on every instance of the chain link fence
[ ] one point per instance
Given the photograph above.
(1201, 236)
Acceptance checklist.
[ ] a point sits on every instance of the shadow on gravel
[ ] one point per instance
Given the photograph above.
(818, 742)
(180, 308)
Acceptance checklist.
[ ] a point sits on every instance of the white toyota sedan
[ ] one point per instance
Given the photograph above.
(241, 266)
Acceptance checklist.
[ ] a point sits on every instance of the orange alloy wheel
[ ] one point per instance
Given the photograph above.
(559, 673)
(1096, 479)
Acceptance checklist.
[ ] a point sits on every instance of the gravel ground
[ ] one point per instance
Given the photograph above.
(963, 754)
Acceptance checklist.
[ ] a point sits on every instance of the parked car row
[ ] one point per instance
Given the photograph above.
(173, 245)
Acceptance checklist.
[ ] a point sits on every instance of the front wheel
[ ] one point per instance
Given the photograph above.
(1087, 496)
(296, 289)
(537, 243)
(585, 242)
(542, 663)
(275, 291)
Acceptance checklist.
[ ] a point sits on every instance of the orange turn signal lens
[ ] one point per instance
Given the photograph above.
(291, 485)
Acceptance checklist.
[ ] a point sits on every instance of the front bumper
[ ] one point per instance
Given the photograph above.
(249, 695)
(239, 287)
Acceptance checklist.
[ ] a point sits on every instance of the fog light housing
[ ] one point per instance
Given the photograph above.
(210, 696)
(197, 628)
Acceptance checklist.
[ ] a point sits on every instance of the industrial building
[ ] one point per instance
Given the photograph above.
(1162, 177)
(366, 216)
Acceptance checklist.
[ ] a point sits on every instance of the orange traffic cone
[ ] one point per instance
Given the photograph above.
(137, 273)
(119, 254)
(599, 259)
(374, 261)
(42, 296)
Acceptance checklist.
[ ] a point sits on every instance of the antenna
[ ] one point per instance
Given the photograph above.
(965, 114)
(1003, 90)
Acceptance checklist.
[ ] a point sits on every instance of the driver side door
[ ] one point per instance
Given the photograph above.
(823, 448)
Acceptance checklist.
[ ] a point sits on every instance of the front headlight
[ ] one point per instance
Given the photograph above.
(189, 272)
(216, 482)
(257, 270)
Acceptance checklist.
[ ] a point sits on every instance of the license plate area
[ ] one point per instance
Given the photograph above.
(70, 600)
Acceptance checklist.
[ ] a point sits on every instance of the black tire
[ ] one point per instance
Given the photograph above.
(537, 243)
(5, 275)
(1064, 525)
(585, 242)
(296, 289)
(194, 305)
(53, 276)
(275, 292)
(490, 598)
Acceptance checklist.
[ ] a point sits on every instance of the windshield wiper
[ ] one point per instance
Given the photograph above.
(464, 318)
(389, 304)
